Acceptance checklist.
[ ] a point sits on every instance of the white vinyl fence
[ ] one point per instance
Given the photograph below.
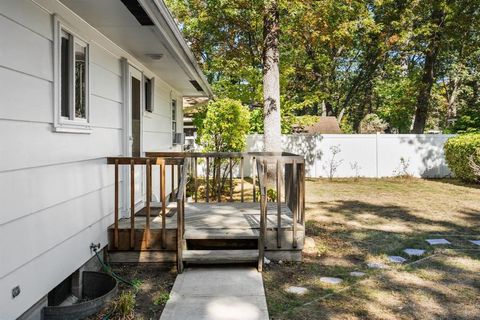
(366, 155)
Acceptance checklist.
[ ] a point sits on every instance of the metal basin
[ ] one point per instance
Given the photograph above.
(98, 289)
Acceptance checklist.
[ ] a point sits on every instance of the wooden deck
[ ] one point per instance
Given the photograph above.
(206, 222)
(215, 216)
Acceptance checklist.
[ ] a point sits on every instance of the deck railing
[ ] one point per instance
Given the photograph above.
(278, 177)
(148, 163)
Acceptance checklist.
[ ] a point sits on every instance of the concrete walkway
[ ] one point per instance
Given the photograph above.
(217, 293)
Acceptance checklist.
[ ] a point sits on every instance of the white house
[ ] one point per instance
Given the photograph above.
(80, 80)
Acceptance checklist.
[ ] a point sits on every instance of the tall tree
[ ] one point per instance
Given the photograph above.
(428, 77)
(271, 78)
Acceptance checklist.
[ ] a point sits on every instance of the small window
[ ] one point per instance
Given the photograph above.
(174, 120)
(71, 81)
(148, 95)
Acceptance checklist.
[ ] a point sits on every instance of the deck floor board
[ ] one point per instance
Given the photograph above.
(204, 216)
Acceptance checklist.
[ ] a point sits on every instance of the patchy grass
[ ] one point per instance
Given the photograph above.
(356, 222)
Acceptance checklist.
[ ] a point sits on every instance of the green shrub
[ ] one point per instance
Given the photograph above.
(458, 151)
(222, 126)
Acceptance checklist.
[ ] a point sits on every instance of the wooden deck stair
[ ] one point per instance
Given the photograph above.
(221, 246)
(220, 256)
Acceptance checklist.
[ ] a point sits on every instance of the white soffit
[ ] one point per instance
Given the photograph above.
(116, 22)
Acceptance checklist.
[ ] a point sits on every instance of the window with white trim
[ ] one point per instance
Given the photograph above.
(71, 81)
(174, 120)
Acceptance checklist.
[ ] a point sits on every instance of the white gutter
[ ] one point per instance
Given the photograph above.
(163, 20)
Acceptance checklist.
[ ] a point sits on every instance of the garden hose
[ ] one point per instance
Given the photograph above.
(108, 270)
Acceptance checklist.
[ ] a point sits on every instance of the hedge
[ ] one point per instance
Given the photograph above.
(457, 152)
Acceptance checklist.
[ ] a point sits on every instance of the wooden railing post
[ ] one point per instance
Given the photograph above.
(231, 178)
(132, 204)
(295, 202)
(172, 173)
(115, 231)
(279, 205)
(195, 178)
(241, 177)
(302, 194)
(253, 179)
(179, 236)
(219, 186)
(148, 196)
(207, 171)
(161, 163)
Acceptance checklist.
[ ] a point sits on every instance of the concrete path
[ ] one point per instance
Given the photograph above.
(217, 293)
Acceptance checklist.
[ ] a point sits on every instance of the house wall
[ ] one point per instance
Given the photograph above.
(366, 155)
(55, 189)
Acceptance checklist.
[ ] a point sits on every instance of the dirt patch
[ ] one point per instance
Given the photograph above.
(147, 297)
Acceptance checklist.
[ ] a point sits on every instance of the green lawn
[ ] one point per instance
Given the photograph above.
(356, 222)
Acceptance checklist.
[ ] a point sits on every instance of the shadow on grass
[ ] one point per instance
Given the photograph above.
(456, 182)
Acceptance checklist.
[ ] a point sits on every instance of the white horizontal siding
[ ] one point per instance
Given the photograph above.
(105, 113)
(34, 144)
(157, 123)
(29, 191)
(47, 228)
(105, 59)
(32, 55)
(105, 83)
(24, 97)
(28, 14)
(157, 141)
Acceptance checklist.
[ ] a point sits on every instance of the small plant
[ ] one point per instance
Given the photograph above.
(332, 166)
(356, 169)
(402, 171)
(161, 298)
(136, 284)
(124, 305)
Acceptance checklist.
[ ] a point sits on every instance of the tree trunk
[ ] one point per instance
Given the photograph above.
(271, 78)
(425, 88)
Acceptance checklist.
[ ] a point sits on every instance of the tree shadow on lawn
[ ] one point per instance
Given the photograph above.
(391, 217)
(456, 182)
(441, 287)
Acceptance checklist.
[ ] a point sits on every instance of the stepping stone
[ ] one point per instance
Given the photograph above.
(414, 252)
(331, 280)
(297, 290)
(477, 242)
(437, 241)
(357, 274)
(397, 259)
(376, 265)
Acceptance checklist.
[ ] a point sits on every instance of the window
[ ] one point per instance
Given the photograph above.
(174, 120)
(71, 81)
(148, 94)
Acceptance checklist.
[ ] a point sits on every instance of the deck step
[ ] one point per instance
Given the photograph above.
(221, 234)
(220, 256)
